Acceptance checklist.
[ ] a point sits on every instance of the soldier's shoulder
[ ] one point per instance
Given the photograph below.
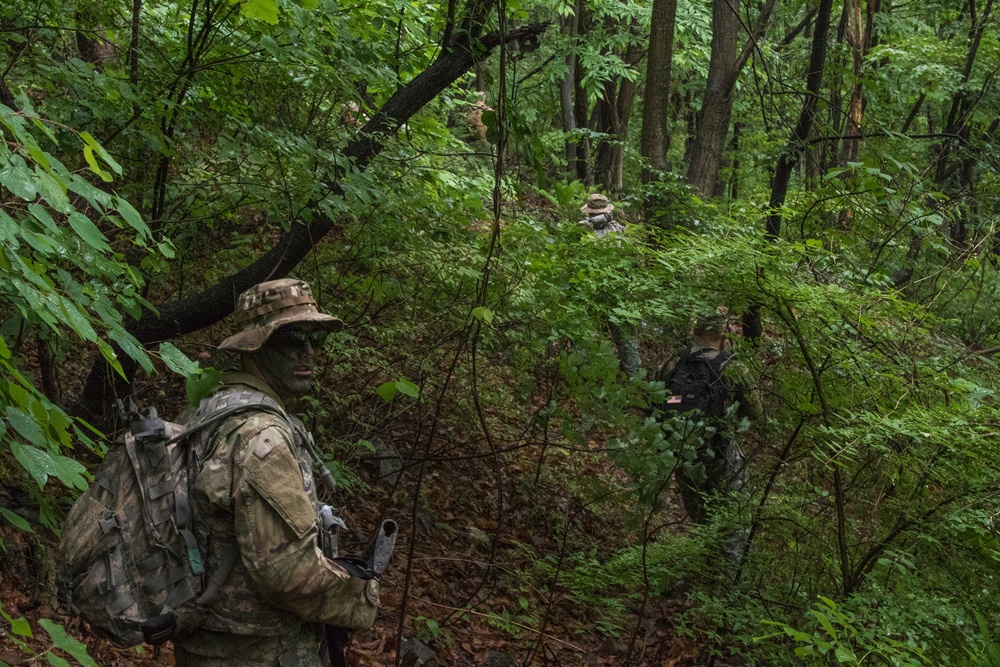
(246, 413)
(252, 421)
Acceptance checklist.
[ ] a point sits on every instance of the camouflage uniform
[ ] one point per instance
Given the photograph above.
(256, 493)
(600, 219)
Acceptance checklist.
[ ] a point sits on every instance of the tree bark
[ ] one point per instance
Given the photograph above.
(581, 108)
(214, 303)
(654, 143)
(612, 114)
(796, 144)
(725, 65)
(712, 125)
(959, 178)
(567, 111)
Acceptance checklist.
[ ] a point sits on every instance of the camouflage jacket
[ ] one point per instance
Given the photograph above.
(256, 492)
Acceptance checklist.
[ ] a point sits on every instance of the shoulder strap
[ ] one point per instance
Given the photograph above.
(223, 404)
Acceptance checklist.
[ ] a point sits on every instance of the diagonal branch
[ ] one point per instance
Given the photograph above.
(217, 301)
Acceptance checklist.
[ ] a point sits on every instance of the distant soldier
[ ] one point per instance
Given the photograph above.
(601, 221)
(600, 218)
(706, 385)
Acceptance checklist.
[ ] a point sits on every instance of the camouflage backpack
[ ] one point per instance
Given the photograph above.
(130, 565)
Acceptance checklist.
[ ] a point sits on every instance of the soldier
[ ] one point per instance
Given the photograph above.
(600, 218)
(705, 383)
(255, 493)
(601, 221)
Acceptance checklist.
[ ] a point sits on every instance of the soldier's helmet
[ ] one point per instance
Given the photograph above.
(264, 308)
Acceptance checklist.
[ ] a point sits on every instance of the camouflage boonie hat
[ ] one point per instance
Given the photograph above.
(597, 203)
(714, 322)
(264, 308)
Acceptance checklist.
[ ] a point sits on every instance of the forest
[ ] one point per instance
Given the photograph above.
(822, 174)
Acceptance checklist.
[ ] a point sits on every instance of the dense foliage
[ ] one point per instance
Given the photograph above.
(155, 148)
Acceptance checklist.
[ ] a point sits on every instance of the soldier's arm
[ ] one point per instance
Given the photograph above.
(277, 534)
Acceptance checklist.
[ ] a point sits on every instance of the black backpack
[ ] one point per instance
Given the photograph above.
(696, 384)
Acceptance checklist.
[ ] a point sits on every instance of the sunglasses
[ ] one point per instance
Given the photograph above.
(297, 338)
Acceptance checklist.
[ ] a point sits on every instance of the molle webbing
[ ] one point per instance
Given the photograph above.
(129, 556)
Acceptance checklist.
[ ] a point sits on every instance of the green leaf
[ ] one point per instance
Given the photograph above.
(53, 191)
(132, 348)
(262, 10)
(40, 214)
(408, 388)
(26, 426)
(4, 350)
(56, 661)
(202, 384)
(88, 231)
(166, 249)
(844, 655)
(91, 144)
(77, 321)
(825, 622)
(177, 361)
(387, 391)
(16, 520)
(16, 177)
(88, 155)
(21, 627)
(483, 314)
(132, 217)
(64, 642)
(69, 472)
(37, 462)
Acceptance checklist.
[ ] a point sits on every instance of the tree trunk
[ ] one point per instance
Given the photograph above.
(712, 124)
(959, 178)
(725, 65)
(213, 304)
(612, 114)
(656, 103)
(567, 111)
(752, 325)
(796, 144)
(581, 108)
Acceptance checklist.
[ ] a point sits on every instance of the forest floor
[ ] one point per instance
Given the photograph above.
(479, 608)
(482, 538)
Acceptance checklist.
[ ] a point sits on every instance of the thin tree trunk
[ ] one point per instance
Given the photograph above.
(712, 123)
(572, 26)
(581, 108)
(796, 144)
(752, 325)
(613, 113)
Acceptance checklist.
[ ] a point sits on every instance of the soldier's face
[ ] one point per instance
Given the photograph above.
(287, 359)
